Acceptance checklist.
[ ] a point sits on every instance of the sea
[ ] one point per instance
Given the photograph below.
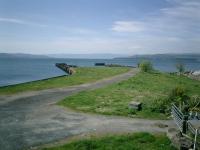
(21, 70)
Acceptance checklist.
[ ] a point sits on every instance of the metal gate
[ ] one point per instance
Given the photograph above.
(185, 126)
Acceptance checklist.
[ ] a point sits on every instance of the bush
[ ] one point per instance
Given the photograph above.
(178, 91)
(159, 105)
(146, 66)
(178, 94)
(194, 103)
(180, 67)
(179, 97)
(162, 105)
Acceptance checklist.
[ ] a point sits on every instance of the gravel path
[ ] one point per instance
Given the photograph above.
(32, 118)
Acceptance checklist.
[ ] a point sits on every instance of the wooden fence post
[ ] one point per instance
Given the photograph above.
(184, 125)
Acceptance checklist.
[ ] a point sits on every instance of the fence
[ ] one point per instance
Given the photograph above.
(177, 116)
(185, 126)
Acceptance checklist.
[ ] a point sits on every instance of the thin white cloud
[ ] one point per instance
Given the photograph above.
(78, 30)
(127, 26)
(74, 45)
(180, 19)
(183, 10)
(150, 44)
(183, 17)
(72, 30)
(22, 22)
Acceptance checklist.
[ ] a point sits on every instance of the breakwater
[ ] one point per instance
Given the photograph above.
(66, 68)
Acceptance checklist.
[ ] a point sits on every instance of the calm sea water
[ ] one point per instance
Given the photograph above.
(19, 70)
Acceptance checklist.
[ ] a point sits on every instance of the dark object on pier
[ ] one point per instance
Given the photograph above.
(112, 65)
(99, 64)
(66, 68)
(118, 65)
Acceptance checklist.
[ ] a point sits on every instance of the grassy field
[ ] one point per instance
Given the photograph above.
(136, 141)
(82, 75)
(149, 88)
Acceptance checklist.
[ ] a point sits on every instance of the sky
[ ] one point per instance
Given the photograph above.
(100, 26)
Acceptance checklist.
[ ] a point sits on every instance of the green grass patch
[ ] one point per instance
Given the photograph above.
(82, 75)
(144, 87)
(136, 141)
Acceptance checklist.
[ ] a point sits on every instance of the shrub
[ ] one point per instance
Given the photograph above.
(194, 103)
(178, 96)
(178, 93)
(180, 67)
(160, 105)
(146, 66)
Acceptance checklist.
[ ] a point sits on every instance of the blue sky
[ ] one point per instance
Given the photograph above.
(100, 26)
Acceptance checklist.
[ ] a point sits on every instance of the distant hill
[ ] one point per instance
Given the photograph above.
(163, 56)
(21, 55)
(87, 56)
(72, 56)
(102, 56)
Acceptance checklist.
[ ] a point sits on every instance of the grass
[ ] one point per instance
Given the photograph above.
(144, 87)
(136, 141)
(82, 75)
